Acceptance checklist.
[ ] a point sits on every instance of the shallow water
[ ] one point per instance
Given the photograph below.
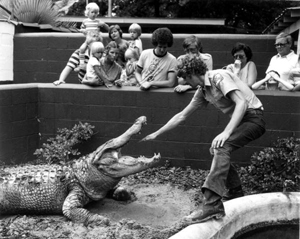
(273, 232)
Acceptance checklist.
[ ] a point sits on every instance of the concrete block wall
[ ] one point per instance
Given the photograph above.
(112, 111)
(19, 125)
(40, 57)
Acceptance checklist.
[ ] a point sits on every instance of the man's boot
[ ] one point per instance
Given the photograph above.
(207, 211)
(233, 193)
(212, 207)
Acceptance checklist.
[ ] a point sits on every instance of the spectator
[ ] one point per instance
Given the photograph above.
(110, 70)
(235, 99)
(135, 32)
(90, 24)
(132, 58)
(243, 67)
(271, 82)
(192, 46)
(115, 33)
(95, 75)
(295, 74)
(284, 61)
(157, 67)
(73, 61)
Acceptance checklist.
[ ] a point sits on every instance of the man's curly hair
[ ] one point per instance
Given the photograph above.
(191, 65)
(162, 36)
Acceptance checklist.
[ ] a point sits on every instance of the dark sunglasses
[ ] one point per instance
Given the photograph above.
(280, 44)
(239, 57)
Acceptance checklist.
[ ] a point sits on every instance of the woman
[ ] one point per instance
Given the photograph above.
(115, 33)
(243, 67)
(109, 70)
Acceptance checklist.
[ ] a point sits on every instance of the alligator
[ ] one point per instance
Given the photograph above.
(66, 189)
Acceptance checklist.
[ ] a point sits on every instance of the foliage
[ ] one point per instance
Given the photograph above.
(77, 9)
(275, 168)
(191, 65)
(37, 11)
(60, 149)
(245, 16)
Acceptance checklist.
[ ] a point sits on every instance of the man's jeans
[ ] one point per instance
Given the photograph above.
(222, 173)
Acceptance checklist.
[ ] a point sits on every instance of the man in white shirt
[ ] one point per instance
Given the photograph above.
(285, 60)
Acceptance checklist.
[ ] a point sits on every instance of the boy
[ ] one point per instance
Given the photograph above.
(157, 67)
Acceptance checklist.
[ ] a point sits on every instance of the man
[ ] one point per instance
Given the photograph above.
(235, 99)
(284, 61)
(157, 67)
(192, 45)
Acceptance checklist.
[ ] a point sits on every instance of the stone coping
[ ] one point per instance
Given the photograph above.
(126, 88)
(244, 212)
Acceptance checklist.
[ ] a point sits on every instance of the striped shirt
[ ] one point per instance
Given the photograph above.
(74, 62)
(89, 24)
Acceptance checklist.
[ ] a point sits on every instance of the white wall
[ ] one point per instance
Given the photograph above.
(7, 31)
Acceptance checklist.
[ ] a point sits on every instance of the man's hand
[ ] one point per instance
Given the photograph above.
(58, 82)
(108, 84)
(149, 137)
(118, 83)
(219, 140)
(145, 86)
(182, 88)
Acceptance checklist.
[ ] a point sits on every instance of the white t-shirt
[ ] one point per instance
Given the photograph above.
(90, 72)
(156, 68)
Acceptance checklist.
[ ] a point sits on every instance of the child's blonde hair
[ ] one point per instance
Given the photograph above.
(96, 46)
(91, 6)
(94, 34)
(131, 53)
(136, 27)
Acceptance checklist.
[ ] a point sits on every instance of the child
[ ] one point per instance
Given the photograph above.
(135, 32)
(132, 57)
(90, 24)
(93, 70)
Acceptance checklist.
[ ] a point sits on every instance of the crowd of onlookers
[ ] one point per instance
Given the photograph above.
(126, 63)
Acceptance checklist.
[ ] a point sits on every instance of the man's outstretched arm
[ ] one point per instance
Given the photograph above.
(174, 121)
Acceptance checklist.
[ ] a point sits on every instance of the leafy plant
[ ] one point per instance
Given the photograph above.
(37, 11)
(191, 65)
(60, 149)
(275, 168)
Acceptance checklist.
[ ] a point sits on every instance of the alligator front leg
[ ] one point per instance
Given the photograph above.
(73, 208)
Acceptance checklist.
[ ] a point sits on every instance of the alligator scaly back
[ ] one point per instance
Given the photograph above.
(22, 187)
